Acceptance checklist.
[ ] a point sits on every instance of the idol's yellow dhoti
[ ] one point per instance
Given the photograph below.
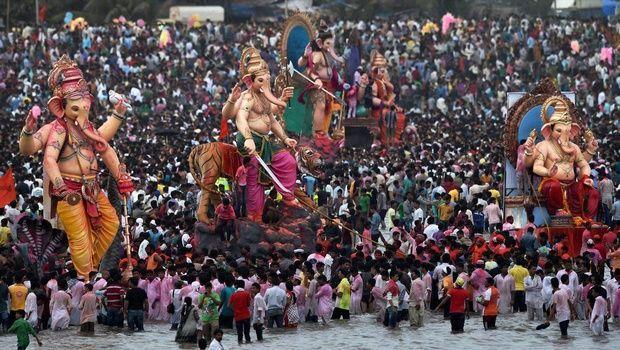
(88, 245)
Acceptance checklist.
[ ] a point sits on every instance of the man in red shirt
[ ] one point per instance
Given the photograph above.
(114, 296)
(240, 303)
(225, 220)
(458, 305)
(391, 293)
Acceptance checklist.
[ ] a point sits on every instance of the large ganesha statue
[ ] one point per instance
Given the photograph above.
(566, 183)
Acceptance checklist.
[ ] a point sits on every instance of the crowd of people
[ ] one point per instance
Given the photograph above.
(414, 227)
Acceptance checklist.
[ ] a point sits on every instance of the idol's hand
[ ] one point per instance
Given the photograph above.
(250, 146)
(287, 93)
(235, 93)
(588, 182)
(290, 142)
(31, 121)
(120, 107)
(318, 84)
(553, 171)
(592, 146)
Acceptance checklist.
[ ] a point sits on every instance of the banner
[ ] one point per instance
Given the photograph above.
(7, 188)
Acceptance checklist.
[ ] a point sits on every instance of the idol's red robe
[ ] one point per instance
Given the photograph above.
(574, 196)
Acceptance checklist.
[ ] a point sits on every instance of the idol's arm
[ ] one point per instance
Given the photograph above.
(582, 164)
(539, 166)
(30, 143)
(110, 159)
(114, 122)
(277, 129)
(242, 124)
(52, 151)
(231, 107)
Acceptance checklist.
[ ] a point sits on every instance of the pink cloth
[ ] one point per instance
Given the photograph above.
(153, 294)
(505, 285)
(59, 308)
(599, 309)
(284, 167)
(417, 294)
(616, 307)
(607, 54)
(143, 284)
(324, 301)
(77, 290)
(478, 276)
(561, 298)
(380, 302)
(521, 159)
(428, 283)
(446, 22)
(300, 294)
(167, 285)
(357, 288)
(88, 307)
(100, 284)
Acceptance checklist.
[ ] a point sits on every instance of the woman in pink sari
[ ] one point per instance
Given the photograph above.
(167, 285)
(379, 301)
(323, 296)
(300, 293)
(357, 287)
(60, 306)
(478, 276)
(153, 293)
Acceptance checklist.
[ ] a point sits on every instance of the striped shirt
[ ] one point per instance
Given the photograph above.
(114, 296)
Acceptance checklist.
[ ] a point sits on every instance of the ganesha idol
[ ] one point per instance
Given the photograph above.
(254, 111)
(555, 160)
(70, 146)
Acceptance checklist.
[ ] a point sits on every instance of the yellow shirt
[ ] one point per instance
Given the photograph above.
(519, 273)
(454, 194)
(5, 234)
(445, 212)
(495, 193)
(18, 293)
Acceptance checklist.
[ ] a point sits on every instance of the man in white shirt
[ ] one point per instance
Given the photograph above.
(216, 343)
(432, 228)
(418, 213)
(275, 299)
(259, 311)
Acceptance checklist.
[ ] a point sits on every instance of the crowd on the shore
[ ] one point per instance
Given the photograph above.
(428, 212)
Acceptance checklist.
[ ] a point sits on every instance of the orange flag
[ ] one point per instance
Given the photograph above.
(7, 188)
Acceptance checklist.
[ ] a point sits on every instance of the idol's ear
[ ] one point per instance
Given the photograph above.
(319, 43)
(247, 80)
(545, 131)
(54, 105)
(575, 130)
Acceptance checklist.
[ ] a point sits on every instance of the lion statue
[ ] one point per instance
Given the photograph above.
(210, 161)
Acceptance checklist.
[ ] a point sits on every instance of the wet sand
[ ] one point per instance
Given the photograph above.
(361, 332)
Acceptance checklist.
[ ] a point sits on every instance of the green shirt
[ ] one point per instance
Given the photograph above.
(344, 301)
(208, 310)
(22, 328)
(407, 184)
(364, 203)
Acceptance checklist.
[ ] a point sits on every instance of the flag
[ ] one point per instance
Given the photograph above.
(7, 188)
(224, 128)
(42, 13)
